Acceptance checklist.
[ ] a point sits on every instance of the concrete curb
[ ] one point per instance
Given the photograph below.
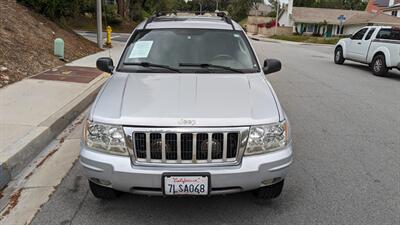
(259, 38)
(26, 149)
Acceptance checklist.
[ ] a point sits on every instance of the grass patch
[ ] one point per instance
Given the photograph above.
(307, 39)
(89, 24)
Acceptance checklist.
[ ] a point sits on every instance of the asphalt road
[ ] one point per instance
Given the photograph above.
(92, 36)
(346, 130)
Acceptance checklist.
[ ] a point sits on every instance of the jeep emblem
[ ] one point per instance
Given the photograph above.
(186, 122)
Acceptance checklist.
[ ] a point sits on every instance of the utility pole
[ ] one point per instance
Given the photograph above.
(99, 25)
(201, 7)
(217, 6)
(277, 17)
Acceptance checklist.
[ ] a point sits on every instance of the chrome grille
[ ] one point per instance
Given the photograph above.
(186, 145)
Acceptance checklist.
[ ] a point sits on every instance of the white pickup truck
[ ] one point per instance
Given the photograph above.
(377, 46)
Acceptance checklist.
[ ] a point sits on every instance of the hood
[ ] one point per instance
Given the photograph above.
(186, 100)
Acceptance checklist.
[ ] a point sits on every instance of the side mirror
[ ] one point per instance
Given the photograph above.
(351, 36)
(105, 64)
(272, 66)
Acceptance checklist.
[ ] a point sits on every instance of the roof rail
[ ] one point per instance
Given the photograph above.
(157, 14)
(223, 15)
(227, 18)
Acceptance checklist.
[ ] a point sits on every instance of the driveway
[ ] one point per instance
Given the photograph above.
(346, 130)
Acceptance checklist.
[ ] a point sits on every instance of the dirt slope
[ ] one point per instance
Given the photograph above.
(26, 43)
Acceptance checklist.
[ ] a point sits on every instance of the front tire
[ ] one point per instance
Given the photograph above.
(269, 192)
(378, 66)
(102, 192)
(339, 59)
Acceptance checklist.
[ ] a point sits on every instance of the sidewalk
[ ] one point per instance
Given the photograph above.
(258, 37)
(35, 110)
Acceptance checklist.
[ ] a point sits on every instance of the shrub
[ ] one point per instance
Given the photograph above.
(55, 8)
(111, 15)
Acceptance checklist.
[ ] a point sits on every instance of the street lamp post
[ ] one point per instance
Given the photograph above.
(99, 25)
(217, 6)
(277, 17)
(201, 7)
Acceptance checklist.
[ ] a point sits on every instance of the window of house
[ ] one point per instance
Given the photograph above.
(359, 34)
(339, 29)
(310, 28)
(394, 13)
(370, 34)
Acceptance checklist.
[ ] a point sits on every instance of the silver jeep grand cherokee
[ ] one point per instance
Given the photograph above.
(187, 111)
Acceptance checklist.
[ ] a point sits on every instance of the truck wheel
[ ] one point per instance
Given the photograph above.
(378, 65)
(102, 192)
(339, 59)
(269, 192)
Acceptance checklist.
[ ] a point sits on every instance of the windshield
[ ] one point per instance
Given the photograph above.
(188, 51)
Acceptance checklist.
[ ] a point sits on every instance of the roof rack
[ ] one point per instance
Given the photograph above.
(227, 18)
(157, 14)
(223, 15)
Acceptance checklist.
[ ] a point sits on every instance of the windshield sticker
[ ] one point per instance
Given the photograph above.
(141, 49)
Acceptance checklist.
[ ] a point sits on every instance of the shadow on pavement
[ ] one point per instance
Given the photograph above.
(72, 203)
(392, 74)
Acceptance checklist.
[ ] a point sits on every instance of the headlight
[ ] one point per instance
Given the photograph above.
(105, 138)
(267, 138)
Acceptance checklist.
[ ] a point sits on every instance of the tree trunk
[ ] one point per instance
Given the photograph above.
(123, 7)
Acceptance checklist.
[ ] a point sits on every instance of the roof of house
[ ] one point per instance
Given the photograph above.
(319, 15)
(372, 18)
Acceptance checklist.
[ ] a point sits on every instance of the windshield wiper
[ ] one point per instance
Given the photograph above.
(147, 64)
(207, 65)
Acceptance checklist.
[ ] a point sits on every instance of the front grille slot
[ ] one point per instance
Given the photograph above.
(186, 147)
(232, 145)
(171, 146)
(217, 146)
(140, 143)
(202, 146)
(155, 146)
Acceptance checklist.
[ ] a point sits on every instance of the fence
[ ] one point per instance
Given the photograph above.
(267, 32)
(253, 27)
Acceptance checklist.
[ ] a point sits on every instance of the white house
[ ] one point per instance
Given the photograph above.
(331, 22)
(393, 9)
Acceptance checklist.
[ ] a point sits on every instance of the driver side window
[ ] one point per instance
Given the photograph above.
(360, 34)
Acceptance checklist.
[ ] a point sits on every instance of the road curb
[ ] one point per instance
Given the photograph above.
(26, 149)
(265, 39)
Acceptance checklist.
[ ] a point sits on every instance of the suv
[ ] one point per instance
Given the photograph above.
(187, 111)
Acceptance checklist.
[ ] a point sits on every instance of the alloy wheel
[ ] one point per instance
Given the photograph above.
(378, 65)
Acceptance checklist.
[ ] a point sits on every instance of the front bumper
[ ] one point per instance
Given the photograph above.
(120, 174)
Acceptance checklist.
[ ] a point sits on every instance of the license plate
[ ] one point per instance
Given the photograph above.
(186, 185)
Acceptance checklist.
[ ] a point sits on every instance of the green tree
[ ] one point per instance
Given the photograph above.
(239, 9)
(54, 8)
